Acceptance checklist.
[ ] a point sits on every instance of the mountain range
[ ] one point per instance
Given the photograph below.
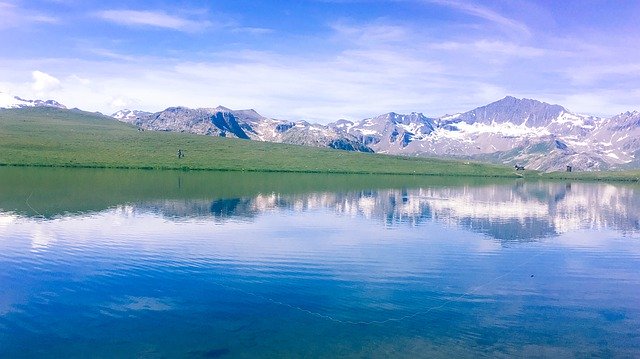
(510, 131)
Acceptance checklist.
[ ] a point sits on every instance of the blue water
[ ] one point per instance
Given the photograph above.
(529, 270)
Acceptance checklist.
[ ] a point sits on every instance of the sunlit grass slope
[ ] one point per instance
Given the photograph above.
(71, 138)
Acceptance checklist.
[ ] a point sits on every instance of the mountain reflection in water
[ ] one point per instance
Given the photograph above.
(524, 211)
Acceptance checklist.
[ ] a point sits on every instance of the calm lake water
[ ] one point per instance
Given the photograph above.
(100, 263)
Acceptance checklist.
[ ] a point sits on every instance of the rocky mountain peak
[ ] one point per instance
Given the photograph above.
(626, 121)
(10, 101)
(532, 113)
(221, 108)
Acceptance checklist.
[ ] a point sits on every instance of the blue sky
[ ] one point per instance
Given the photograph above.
(322, 60)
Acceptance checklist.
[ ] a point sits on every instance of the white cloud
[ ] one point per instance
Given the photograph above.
(120, 102)
(157, 18)
(43, 82)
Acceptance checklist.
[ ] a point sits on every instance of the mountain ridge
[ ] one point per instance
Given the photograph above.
(509, 131)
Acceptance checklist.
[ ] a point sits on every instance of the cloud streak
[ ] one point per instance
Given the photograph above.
(153, 18)
(14, 16)
(485, 13)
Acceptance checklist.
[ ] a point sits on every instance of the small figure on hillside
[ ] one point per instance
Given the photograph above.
(180, 154)
(519, 168)
(569, 168)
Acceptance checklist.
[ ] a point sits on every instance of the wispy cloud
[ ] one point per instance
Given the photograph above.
(376, 32)
(153, 18)
(486, 14)
(493, 46)
(251, 30)
(111, 54)
(15, 16)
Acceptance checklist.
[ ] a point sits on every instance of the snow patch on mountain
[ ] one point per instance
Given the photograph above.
(10, 101)
(129, 115)
(505, 129)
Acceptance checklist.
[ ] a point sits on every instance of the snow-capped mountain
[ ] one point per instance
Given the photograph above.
(389, 133)
(10, 101)
(510, 131)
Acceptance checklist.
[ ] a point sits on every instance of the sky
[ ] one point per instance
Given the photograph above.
(322, 60)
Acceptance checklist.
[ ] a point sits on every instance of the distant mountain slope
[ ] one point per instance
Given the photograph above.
(511, 131)
(244, 124)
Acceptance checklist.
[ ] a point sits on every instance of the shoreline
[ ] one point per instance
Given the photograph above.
(610, 176)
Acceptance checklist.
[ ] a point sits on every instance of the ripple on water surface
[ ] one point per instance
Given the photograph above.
(448, 271)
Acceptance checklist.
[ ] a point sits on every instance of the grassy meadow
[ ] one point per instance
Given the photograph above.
(71, 138)
(49, 137)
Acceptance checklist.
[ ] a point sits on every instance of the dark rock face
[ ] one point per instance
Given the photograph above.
(561, 145)
(348, 145)
(226, 122)
(283, 127)
(406, 138)
(394, 135)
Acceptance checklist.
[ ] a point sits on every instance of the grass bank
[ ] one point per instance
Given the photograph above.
(608, 176)
(71, 138)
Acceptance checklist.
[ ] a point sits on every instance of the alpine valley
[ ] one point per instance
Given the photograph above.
(511, 131)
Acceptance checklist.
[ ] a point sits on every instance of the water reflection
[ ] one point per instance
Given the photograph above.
(347, 266)
(507, 211)
(521, 212)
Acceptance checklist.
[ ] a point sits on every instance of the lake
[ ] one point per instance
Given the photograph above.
(117, 263)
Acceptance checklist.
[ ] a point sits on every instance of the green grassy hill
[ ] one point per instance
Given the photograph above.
(72, 138)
